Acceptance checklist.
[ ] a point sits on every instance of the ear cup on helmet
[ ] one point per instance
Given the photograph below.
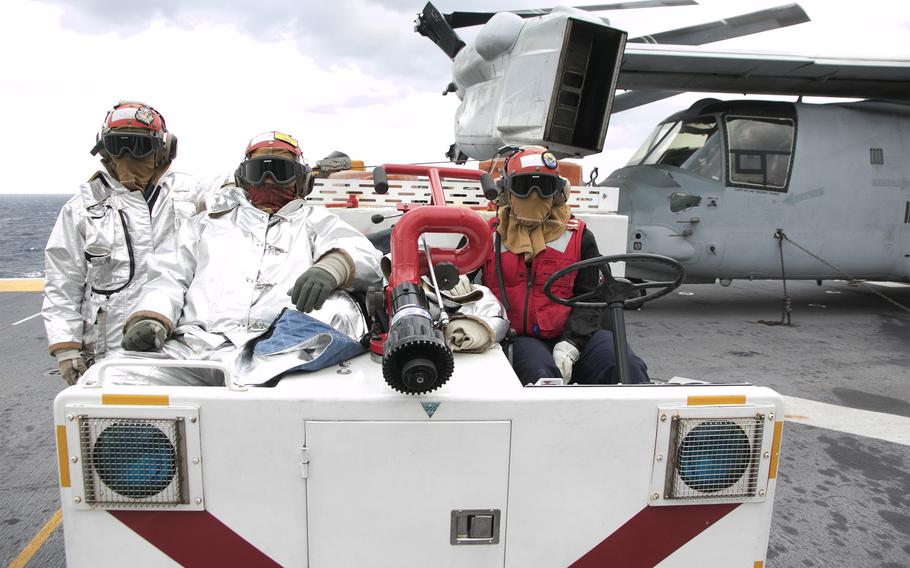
(98, 145)
(306, 181)
(237, 181)
(561, 197)
(170, 146)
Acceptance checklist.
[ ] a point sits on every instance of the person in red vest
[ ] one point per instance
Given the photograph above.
(535, 235)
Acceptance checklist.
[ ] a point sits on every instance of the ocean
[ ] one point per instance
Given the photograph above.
(25, 224)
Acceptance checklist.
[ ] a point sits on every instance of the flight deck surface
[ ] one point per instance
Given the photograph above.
(842, 496)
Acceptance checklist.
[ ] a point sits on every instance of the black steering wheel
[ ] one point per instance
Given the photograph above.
(612, 291)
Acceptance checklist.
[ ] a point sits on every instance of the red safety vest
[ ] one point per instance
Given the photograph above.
(531, 313)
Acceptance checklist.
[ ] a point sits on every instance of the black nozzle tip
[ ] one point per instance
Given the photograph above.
(419, 374)
(377, 218)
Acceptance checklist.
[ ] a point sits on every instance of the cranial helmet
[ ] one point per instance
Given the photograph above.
(532, 169)
(138, 129)
(254, 171)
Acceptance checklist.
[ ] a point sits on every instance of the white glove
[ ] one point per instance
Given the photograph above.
(468, 334)
(565, 355)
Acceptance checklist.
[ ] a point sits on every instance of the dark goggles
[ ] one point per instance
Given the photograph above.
(139, 145)
(283, 171)
(545, 185)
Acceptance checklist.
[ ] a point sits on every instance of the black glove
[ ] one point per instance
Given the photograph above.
(144, 335)
(312, 288)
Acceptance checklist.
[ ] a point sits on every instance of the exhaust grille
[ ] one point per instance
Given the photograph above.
(135, 462)
(714, 458)
(712, 454)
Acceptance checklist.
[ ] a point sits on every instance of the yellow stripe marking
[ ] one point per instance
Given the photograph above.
(21, 284)
(758, 564)
(63, 457)
(775, 449)
(136, 399)
(37, 541)
(710, 400)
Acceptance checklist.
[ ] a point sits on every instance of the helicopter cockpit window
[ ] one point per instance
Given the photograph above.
(760, 151)
(689, 144)
(656, 136)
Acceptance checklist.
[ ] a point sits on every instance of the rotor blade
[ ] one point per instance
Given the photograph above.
(745, 24)
(632, 99)
(432, 24)
(466, 19)
(686, 69)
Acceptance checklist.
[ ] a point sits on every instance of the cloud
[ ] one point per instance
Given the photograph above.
(377, 37)
(215, 87)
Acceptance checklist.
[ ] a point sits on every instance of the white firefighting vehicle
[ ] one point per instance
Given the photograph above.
(334, 468)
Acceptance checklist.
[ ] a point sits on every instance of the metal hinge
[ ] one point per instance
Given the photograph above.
(305, 462)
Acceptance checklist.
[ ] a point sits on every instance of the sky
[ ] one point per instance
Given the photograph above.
(347, 75)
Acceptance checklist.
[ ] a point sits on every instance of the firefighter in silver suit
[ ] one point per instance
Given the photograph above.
(258, 249)
(96, 259)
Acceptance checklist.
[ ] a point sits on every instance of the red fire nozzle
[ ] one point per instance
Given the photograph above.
(408, 261)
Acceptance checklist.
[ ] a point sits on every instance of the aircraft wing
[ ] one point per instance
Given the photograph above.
(670, 69)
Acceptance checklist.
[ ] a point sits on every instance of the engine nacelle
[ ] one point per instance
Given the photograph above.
(548, 81)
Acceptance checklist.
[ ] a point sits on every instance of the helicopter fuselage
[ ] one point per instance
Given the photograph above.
(756, 189)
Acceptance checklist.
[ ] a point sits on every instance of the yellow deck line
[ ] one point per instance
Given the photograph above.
(723, 399)
(21, 284)
(37, 541)
(136, 399)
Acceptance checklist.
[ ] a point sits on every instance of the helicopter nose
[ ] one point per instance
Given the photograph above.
(644, 176)
(657, 239)
(643, 190)
(643, 198)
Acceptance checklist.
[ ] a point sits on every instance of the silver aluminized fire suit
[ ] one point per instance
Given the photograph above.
(229, 278)
(96, 259)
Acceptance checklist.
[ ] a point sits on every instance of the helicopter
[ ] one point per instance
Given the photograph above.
(737, 189)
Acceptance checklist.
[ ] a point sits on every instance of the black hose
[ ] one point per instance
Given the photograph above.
(497, 258)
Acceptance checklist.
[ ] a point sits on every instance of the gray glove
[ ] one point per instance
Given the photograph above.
(312, 288)
(71, 364)
(144, 335)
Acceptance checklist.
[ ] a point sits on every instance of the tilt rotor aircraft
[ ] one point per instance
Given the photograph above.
(731, 189)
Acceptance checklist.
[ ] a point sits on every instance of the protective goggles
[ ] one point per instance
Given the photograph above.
(139, 145)
(282, 171)
(545, 185)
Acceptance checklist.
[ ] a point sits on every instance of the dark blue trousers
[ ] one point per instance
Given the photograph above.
(532, 359)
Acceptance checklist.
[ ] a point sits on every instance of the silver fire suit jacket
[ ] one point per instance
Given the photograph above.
(96, 259)
(234, 265)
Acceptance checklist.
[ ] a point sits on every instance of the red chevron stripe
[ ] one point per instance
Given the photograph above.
(194, 539)
(652, 535)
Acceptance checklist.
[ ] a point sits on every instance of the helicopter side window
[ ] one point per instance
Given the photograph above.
(760, 151)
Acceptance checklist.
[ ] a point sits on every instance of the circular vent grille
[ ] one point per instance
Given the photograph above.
(134, 459)
(713, 456)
